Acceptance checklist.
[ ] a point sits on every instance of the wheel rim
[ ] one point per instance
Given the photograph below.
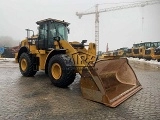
(23, 64)
(56, 71)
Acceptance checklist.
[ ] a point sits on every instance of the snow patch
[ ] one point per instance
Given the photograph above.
(155, 62)
(7, 59)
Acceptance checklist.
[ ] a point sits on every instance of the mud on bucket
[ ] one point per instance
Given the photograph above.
(109, 82)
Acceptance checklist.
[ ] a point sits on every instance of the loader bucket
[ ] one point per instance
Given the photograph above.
(109, 82)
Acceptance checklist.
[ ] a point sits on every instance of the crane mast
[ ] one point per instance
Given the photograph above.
(97, 29)
(97, 11)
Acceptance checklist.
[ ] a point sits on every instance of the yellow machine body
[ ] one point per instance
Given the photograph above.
(108, 81)
(121, 53)
(138, 52)
(148, 53)
(129, 52)
(156, 56)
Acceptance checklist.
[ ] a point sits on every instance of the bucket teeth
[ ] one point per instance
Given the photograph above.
(109, 82)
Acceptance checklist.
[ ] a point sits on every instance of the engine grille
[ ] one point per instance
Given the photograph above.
(147, 52)
(136, 51)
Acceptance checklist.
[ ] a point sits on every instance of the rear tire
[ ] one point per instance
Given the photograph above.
(26, 65)
(61, 70)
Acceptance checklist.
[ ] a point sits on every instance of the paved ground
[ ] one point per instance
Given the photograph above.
(32, 98)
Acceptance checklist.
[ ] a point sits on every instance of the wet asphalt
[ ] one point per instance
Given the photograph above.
(35, 98)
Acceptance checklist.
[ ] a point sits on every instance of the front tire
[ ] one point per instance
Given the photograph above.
(26, 65)
(61, 70)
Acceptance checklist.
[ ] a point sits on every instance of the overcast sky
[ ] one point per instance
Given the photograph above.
(119, 28)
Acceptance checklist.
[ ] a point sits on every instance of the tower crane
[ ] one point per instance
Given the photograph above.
(97, 11)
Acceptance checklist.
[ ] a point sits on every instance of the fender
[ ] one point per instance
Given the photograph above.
(22, 50)
(51, 54)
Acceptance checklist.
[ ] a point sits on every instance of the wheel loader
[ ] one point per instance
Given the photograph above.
(138, 50)
(156, 55)
(129, 52)
(150, 49)
(122, 51)
(106, 81)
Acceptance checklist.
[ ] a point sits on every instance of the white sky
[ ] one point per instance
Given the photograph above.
(119, 28)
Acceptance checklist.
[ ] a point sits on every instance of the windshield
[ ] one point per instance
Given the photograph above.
(59, 30)
(148, 45)
(136, 45)
(156, 44)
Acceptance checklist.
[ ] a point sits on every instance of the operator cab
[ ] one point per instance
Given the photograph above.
(49, 31)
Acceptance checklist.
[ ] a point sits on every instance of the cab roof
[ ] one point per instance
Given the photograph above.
(52, 20)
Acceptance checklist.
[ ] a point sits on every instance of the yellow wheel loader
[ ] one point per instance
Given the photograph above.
(106, 81)
(156, 55)
(129, 52)
(149, 50)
